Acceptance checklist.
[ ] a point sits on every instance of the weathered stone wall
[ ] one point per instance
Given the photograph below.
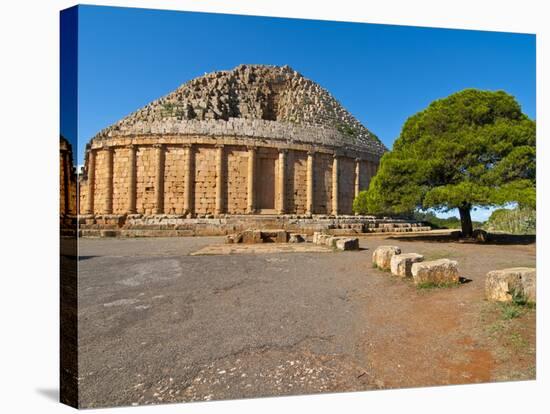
(322, 187)
(296, 191)
(364, 176)
(237, 171)
(67, 180)
(175, 166)
(63, 190)
(83, 195)
(121, 171)
(100, 182)
(136, 225)
(145, 183)
(346, 185)
(174, 162)
(205, 180)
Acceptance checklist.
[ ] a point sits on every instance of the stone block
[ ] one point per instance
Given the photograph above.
(502, 285)
(347, 243)
(281, 236)
(323, 239)
(401, 264)
(252, 236)
(381, 257)
(234, 238)
(296, 238)
(437, 272)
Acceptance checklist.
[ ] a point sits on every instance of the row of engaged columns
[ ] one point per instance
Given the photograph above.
(281, 206)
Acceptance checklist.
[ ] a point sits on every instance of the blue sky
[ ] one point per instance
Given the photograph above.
(381, 73)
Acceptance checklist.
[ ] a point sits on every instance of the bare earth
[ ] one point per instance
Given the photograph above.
(157, 324)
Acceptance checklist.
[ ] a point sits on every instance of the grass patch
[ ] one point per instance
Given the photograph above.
(517, 307)
(510, 311)
(432, 285)
(495, 328)
(375, 266)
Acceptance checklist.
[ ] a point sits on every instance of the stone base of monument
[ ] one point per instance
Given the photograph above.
(401, 264)
(175, 225)
(260, 236)
(381, 257)
(510, 284)
(436, 272)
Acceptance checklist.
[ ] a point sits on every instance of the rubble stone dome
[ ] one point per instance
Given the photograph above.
(251, 100)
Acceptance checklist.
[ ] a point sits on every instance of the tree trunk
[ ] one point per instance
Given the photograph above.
(466, 220)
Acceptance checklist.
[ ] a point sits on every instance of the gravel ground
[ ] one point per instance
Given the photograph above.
(157, 324)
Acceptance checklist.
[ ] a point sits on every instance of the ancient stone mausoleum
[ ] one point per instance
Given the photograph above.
(253, 140)
(254, 147)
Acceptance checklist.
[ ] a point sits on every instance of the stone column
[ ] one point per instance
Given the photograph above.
(335, 189)
(132, 179)
(159, 181)
(335, 182)
(251, 186)
(357, 179)
(108, 207)
(189, 177)
(219, 179)
(91, 182)
(282, 181)
(309, 183)
(357, 176)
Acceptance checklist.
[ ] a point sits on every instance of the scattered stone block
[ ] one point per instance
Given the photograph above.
(322, 239)
(347, 243)
(234, 238)
(401, 264)
(281, 236)
(317, 235)
(437, 272)
(252, 236)
(503, 285)
(381, 257)
(296, 238)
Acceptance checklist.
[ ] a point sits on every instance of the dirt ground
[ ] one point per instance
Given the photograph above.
(158, 324)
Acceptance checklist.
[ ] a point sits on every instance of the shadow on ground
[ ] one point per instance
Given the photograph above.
(494, 238)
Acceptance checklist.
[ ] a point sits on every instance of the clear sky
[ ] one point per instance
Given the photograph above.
(381, 73)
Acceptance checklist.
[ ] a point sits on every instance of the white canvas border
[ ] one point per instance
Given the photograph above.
(29, 178)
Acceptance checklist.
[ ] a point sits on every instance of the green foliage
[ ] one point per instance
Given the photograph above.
(510, 311)
(432, 285)
(517, 307)
(516, 221)
(360, 203)
(471, 148)
(441, 223)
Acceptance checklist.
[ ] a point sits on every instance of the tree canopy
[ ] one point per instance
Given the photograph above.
(472, 148)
